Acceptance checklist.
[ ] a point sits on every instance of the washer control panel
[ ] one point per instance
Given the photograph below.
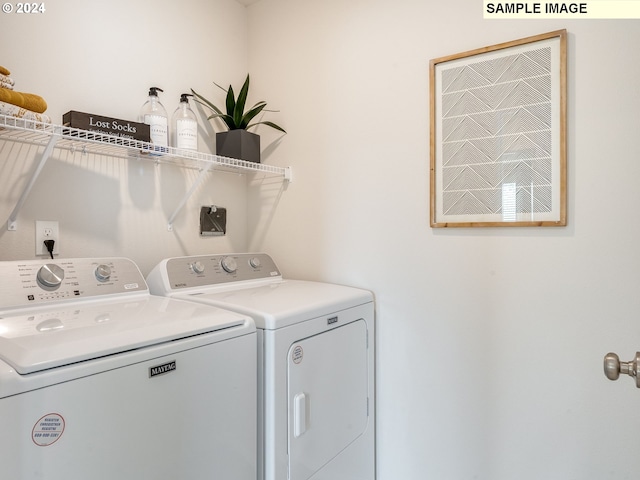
(33, 282)
(203, 270)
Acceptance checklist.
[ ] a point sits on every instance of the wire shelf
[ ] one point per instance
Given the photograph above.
(53, 137)
(76, 140)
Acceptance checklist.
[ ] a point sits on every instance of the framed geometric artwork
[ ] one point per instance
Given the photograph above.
(498, 135)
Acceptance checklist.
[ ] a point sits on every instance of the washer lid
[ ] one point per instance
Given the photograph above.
(279, 304)
(39, 339)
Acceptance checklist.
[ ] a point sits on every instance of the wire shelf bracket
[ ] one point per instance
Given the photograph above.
(183, 202)
(12, 223)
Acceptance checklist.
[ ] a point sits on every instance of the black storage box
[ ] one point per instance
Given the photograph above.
(108, 125)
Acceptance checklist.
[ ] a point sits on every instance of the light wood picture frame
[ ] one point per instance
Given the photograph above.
(498, 135)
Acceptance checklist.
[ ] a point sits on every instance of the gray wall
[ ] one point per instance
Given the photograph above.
(490, 341)
(101, 57)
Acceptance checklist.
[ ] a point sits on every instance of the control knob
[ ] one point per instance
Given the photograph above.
(50, 275)
(255, 262)
(229, 264)
(103, 273)
(197, 267)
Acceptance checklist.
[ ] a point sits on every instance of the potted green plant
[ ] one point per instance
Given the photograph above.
(237, 142)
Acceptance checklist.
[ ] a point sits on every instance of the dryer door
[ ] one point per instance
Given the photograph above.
(327, 396)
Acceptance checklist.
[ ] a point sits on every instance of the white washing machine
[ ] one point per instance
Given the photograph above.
(316, 412)
(101, 380)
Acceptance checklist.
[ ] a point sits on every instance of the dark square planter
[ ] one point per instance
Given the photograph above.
(238, 144)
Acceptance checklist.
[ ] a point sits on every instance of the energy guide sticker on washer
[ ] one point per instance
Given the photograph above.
(297, 354)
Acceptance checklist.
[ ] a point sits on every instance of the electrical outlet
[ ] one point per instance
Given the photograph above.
(46, 230)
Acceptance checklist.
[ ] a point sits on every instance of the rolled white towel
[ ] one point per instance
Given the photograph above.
(6, 82)
(11, 110)
(7, 79)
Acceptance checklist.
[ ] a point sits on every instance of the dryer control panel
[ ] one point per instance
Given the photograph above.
(203, 270)
(33, 282)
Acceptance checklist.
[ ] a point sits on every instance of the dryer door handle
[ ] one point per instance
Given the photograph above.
(299, 414)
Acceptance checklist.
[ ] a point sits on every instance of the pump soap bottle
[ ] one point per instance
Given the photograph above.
(184, 126)
(154, 114)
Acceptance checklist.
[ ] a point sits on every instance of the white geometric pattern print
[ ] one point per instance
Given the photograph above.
(496, 136)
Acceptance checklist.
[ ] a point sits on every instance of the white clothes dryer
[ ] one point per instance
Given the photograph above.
(101, 380)
(316, 411)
